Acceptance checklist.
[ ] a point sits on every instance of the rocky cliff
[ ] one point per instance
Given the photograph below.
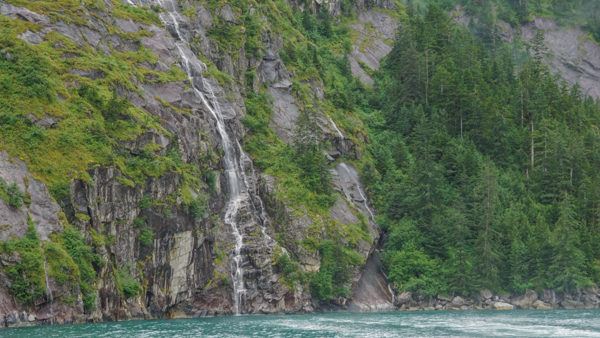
(178, 221)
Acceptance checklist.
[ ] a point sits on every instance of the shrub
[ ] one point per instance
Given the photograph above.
(127, 285)
(85, 259)
(146, 237)
(27, 275)
(334, 274)
(11, 194)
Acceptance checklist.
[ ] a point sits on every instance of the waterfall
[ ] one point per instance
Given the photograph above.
(337, 130)
(359, 190)
(49, 291)
(239, 196)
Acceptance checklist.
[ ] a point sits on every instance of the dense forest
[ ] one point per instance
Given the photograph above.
(485, 169)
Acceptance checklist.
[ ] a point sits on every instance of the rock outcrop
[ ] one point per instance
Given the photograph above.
(147, 231)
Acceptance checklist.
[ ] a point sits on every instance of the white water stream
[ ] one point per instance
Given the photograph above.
(239, 194)
(358, 189)
(49, 291)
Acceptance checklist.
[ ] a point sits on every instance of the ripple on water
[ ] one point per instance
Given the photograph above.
(574, 323)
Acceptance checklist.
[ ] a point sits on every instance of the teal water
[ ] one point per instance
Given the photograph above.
(558, 323)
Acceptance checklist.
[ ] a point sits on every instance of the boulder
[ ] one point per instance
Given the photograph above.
(525, 301)
(403, 298)
(457, 301)
(485, 294)
(444, 298)
(502, 306)
(572, 304)
(540, 305)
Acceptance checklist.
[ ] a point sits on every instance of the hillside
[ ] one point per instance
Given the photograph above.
(164, 159)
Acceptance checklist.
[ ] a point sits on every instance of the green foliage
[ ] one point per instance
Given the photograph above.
(196, 207)
(146, 237)
(483, 170)
(27, 274)
(12, 195)
(332, 279)
(289, 268)
(308, 156)
(299, 173)
(93, 117)
(127, 285)
(86, 261)
(412, 270)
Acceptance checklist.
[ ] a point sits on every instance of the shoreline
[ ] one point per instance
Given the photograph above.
(587, 299)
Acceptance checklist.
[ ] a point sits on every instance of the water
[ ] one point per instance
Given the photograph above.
(239, 194)
(557, 323)
(49, 290)
(359, 189)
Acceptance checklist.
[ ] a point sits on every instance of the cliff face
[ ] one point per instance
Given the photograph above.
(204, 237)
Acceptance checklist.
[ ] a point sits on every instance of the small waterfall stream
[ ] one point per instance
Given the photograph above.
(239, 194)
(359, 190)
(49, 291)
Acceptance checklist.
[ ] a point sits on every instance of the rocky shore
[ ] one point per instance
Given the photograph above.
(588, 298)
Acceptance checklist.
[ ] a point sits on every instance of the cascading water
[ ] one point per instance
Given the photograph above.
(239, 196)
(49, 291)
(337, 130)
(359, 190)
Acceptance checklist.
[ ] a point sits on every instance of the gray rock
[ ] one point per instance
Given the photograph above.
(525, 301)
(540, 305)
(457, 301)
(22, 13)
(404, 298)
(572, 304)
(284, 115)
(31, 37)
(444, 298)
(502, 306)
(485, 294)
(375, 30)
(227, 14)
(372, 292)
(43, 210)
(127, 26)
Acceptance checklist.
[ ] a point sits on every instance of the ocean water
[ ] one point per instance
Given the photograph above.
(555, 323)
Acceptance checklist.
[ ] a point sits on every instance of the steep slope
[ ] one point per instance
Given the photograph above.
(135, 116)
